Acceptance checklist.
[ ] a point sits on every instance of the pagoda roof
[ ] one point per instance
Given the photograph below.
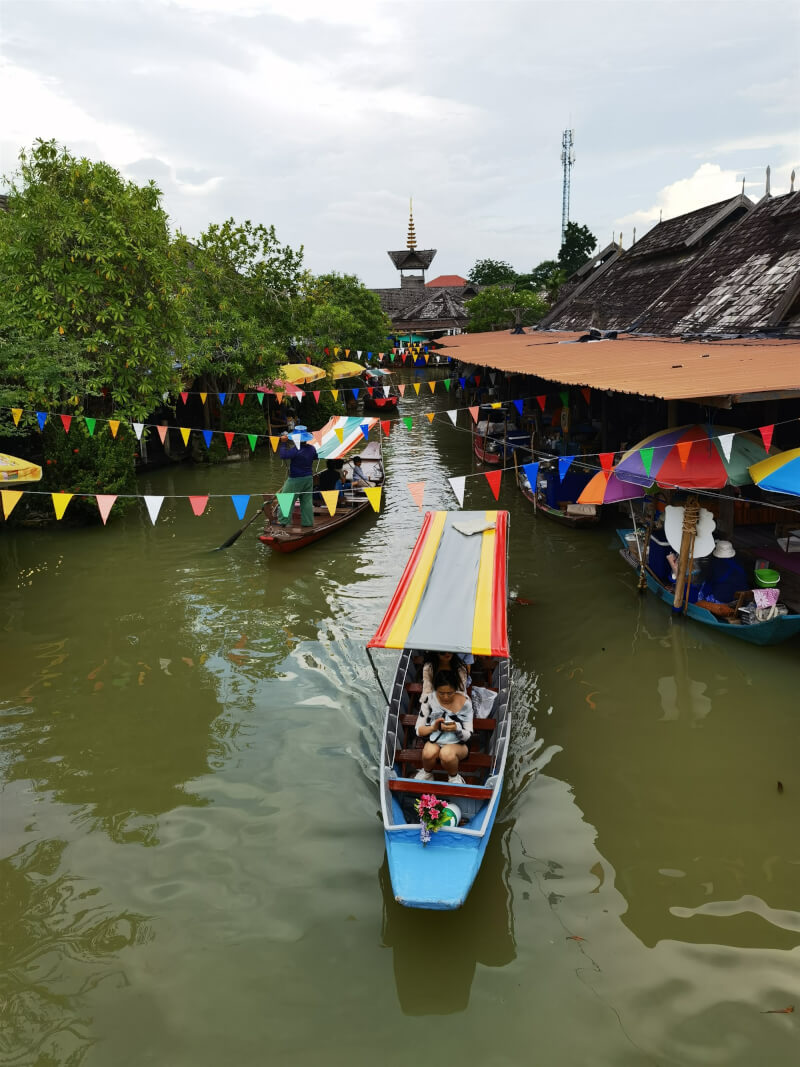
(412, 258)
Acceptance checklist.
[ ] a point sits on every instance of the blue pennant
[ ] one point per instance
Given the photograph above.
(355, 394)
(222, 397)
(531, 473)
(563, 466)
(41, 417)
(207, 435)
(365, 430)
(462, 382)
(518, 405)
(240, 502)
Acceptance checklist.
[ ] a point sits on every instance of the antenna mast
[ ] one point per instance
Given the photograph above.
(567, 160)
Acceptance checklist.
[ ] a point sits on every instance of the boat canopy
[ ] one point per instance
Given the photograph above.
(13, 470)
(327, 441)
(453, 592)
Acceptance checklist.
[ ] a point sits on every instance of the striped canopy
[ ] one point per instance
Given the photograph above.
(452, 595)
(780, 473)
(326, 440)
(13, 470)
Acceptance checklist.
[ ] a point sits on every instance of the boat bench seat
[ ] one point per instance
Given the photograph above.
(477, 724)
(439, 789)
(473, 764)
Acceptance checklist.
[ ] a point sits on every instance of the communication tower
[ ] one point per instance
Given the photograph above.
(567, 160)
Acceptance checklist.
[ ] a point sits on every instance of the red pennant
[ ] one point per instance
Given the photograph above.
(327, 351)
(241, 398)
(386, 426)
(541, 401)
(198, 504)
(494, 478)
(477, 379)
(766, 435)
(684, 448)
(474, 413)
(162, 433)
(606, 460)
(370, 390)
(403, 357)
(587, 394)
(228, 439)
(184, 397)
(66, 422)
(316, 395)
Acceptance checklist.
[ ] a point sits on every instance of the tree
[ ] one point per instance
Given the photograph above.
(343, 313)
(492, 272)
(87, 286)
(578, 244)
(492, 309)
(539, 277)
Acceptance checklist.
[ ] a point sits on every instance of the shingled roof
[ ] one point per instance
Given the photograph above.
(412, 258)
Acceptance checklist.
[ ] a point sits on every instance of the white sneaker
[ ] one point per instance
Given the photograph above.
(423, 775)
(455, 779)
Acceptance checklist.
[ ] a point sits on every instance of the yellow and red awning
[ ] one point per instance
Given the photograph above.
(453, 592)
(13, 470)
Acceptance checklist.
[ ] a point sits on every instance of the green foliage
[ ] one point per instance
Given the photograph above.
(342, 313)
(87, 283)
(577, 247)
(539, 278)
(492, 308)
(78, 463)
(492, 272)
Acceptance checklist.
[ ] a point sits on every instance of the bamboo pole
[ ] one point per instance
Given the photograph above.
(691, 513)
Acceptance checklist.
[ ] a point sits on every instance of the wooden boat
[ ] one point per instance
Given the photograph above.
(568, 513)
(375, 398)
(488, 444)
(451, 597)
(350, 505)
(769, 632)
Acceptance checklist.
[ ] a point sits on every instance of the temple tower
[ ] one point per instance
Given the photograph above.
(411, 261)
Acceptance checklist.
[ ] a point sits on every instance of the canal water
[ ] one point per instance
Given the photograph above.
(193, 868)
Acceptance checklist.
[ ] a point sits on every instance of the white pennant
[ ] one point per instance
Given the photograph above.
(154, 506)
(453, 413)
(726, 440)
(493, 377)
(438, 359)
(457, 485)
(386, 390)
(137, 429)
(359, 353)
(298, 440)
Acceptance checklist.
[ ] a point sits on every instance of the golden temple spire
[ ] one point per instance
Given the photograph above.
(412, 237)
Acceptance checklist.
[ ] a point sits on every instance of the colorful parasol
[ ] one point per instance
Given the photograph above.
(779, 473)
(301, 373)
(692, 457)
(607, 488)
(346, 369)
(13, 470)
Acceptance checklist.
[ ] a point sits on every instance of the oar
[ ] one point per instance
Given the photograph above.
(238, 534)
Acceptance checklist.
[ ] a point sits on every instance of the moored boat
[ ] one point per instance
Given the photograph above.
(558, 500)
(494, 439)
(379, 395)
(452, 596)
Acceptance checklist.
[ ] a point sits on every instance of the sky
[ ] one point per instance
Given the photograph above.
(323, 117)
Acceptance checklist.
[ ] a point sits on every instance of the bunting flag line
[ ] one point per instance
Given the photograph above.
(331, 498)
(60, 501)
(417, 490)
(105, 502)
(564, 464)
(494, 478)
(373, 495)
(240, 502)
(457, 485)
(153, 506)
(10, 500)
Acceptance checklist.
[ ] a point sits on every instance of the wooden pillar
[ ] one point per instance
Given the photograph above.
(604, 423)
(672, 413)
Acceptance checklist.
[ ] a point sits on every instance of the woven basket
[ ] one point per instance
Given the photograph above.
(724, 611)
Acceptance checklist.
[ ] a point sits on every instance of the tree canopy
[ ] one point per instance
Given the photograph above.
(493, 308)
(342, 312)
(578, 244)
(492, 272)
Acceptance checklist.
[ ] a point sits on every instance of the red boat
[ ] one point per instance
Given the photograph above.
(375, 398)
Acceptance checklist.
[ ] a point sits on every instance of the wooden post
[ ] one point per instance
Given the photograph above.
(691, 513)
(505, 435)
(604, 424)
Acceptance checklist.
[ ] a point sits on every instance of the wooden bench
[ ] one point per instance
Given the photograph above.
(477, 724)
(439, 789)
(472, 766)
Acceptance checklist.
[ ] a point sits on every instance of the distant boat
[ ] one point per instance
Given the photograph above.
(567, 511)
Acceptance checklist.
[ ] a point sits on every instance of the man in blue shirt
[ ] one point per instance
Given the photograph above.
(301, 456)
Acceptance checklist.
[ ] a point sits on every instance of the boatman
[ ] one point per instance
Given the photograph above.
(301, 456)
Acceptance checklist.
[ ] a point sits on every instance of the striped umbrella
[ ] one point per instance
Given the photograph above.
(779, 474)
(606, 488)
(692, 457)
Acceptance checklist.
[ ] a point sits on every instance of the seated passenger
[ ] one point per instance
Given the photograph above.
(356, 478)
(445, 719)
(443, 661)
(328, 479)
(726, 575)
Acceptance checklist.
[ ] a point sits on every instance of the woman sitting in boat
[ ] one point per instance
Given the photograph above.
(445, 719)
(443, 661)
(328, 479)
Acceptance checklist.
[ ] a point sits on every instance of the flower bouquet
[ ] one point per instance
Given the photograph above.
(431, 811)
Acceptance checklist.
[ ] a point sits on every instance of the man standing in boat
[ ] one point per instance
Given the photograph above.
(302, 456)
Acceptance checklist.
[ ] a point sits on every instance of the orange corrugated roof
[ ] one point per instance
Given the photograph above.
(445, 281)
(664, 367)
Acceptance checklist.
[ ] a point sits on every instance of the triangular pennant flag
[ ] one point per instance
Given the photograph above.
(347, 353)
(327, 351)
(198, 504)
(228, 435)
(207, 435)
(497, 405)
(477, 379)
(90, 425)
(386, 426)
(492, 377)
(430, 415)
(315, 394)
(426, 357)
(203, 398)
(447, 384)
(260, 396)
(105, 502)
(60, 501)
(222, 397)
(453, 413)
(416, 387)
(274, 441)
(457, 485)
(279, 397)
(587, 394)
(380, 355)
(41, 418)
(564, 394)
(474, 413)
(241, 399)
(726, 443)
(766, 435)
(339, 433)
(154, 506)
(285, 503)
(417, 490)
(563, 466)
(432, 385)
(355, 393)
(66, 422)
(386, 390)
(646, 456)
(606, 460)
(240, 502)
(335, 394)
(541, 401)
(10, 500)
(493, 478)
(408, 421)
(252, 438)
(185, 432)
(331, 498)
(336, 351)
(532, 474)
(392, 357)
(113, 425)
(402, 390)
(370, 390)
(373, 495)
(184, 397)
(162, 433)
(137, 429)
(518, 405)
(358, 353)
(684, 448)
(16, 414)
(403, 357)
(365, 430)
(462, 382)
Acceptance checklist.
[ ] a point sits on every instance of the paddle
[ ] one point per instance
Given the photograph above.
(238, 534)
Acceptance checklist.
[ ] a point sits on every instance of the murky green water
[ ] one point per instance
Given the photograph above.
(193, 866)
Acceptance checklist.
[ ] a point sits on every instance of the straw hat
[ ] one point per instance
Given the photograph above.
(724, 550)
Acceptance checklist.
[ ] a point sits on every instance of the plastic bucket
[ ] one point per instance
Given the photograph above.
(452, 814)
(766, 577)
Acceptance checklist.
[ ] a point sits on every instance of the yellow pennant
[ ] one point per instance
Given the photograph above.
(274, 441)
(185, 434)
(427, 357)
(433, 386)
(10, 499)
(17, 413)
(113, 425)
(203, 397)
(60, 501)
(331, 498)
(416, 388)
(498, 405)
(339, 433)
(335, 395)
(430, 415)
(336, 353)
(374, 497)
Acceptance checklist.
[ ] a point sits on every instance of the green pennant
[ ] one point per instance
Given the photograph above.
(392, 356)
(564, 394)
(408, 421)
(285, 503)
(447, 384)
(647, 459)
(252, 438)
(260, 398)
(90, 425)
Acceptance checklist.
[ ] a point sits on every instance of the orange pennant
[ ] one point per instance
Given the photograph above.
(274, 441)
(474, 413)
(432, 385)
(430, 415)
(17, 415)
(10, 500)
(60, 501)
(684, 448)
(279, 397)
(402, 390)
(113, 425)
(417, 490)
(162, 433)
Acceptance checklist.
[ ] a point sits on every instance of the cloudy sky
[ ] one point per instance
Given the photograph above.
(324, 116)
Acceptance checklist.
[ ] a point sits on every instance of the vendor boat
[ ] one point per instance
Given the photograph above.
(379, 395)
(351, 504)
(557, 499)
(451, 597)
(495, 440)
